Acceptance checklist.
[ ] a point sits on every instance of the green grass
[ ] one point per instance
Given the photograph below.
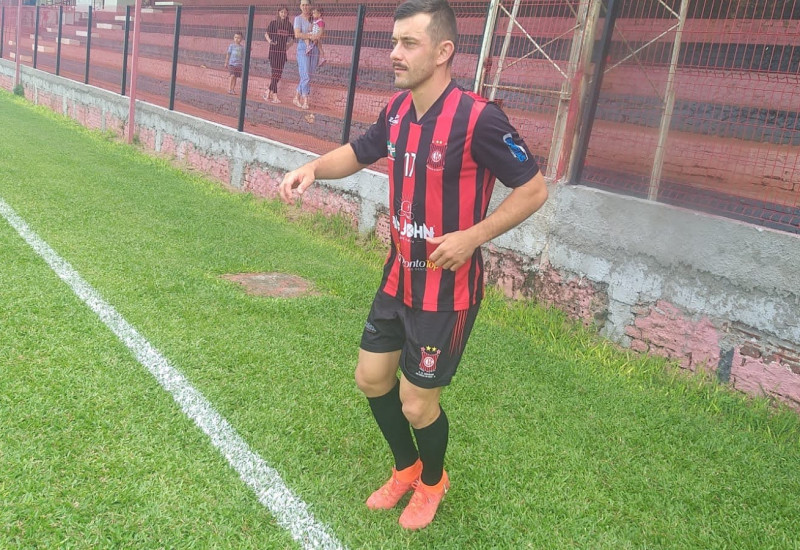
(559, 440)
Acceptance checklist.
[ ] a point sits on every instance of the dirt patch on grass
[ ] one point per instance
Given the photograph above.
(277, 285)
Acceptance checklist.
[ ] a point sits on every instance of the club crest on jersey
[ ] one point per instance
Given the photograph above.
(427, 364)
(436, 156)
(517, 150)
(390, 148)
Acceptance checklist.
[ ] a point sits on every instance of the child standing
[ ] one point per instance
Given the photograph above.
(233, 61)
(317, 32)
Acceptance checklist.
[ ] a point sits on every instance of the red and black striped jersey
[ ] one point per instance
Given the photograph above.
(442, 170)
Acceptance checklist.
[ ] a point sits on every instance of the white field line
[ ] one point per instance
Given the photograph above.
(289, 511)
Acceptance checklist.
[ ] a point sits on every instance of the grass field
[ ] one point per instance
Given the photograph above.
(559, 440)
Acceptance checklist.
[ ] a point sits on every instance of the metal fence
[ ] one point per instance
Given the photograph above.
(699, 108)
(692, 103)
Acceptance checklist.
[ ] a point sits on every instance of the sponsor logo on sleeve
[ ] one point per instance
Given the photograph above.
(517, 150)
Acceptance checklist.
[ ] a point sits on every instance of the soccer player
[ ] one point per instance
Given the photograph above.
(445, 147)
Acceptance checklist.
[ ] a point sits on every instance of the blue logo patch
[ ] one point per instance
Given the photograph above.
(517, 150)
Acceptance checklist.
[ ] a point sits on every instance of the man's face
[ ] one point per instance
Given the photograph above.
(237, 38)
(414, 53)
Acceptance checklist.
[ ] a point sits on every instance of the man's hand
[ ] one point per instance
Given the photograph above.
(334, 165)
(300, 179)
(454, 249)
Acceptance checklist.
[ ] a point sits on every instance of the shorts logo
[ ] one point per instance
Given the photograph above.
(369, 327)
(517, 150)
(427, 364)
(436, 156)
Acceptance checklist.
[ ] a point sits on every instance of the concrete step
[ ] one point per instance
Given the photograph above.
(22, 58)
(109, 26)
(85, 34)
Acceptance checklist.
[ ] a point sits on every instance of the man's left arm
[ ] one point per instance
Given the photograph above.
(456, 248)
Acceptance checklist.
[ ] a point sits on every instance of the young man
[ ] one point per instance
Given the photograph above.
(444, 147)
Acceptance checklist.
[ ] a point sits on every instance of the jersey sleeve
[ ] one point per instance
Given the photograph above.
(498, 146)
(371, 146)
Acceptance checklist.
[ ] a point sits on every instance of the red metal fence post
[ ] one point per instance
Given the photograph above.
(16, 44)
(137, 28)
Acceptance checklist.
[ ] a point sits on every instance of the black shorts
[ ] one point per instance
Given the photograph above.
(235, 70)
(431, 342)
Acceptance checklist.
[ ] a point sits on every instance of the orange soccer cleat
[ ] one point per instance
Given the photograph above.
(393, 490)
(424, 503)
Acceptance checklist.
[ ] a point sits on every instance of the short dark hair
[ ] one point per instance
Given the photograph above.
(443, 20)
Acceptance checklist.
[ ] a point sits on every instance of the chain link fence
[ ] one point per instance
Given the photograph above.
(698, 104)
(699, 108)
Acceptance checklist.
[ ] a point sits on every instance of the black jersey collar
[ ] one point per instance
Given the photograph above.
(435, 109)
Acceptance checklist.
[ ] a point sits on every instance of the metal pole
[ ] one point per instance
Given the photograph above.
(2, 29)
(666, 118)
(175, 58)
(587, 118)
(88, 45)
(58, 40)
(125, 50)
(569, 98)
(504, 50)
(16, 44)
(137, 28)
(486, 45)
(36, 37)
(354, 61)
(251, 15)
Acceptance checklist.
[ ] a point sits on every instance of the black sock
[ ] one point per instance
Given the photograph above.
(432, 442)
(388, 412)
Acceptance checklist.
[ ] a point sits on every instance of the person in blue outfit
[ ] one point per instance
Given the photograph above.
(233, 61)
(306, 63)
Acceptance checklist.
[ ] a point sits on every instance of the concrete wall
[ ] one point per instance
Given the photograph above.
(711, 293)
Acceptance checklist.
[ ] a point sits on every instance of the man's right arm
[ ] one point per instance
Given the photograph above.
(337, 164)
